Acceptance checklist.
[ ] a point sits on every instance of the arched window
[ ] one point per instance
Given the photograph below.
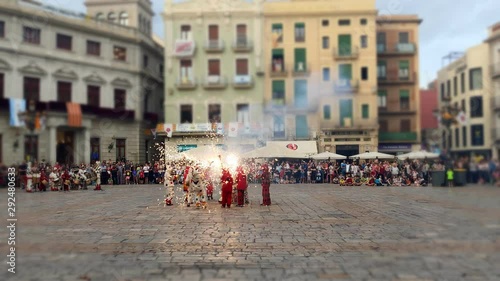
(99, 17)
(123, 20)
(112, 17)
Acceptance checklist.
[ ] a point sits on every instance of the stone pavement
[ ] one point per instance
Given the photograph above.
(311, 232)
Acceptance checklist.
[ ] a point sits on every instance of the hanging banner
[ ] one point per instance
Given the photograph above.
(17, 108)
(169, 128)
(233, 130)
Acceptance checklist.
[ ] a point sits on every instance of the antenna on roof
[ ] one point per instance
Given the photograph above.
(452, 56)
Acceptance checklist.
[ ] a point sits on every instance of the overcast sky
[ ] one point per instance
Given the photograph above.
(448, 25)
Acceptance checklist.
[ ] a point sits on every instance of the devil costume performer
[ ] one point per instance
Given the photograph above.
(241, 185)
(227, 188)
(168, 182)
(266, 183)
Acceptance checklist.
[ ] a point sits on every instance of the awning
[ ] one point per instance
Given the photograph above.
(74, 114)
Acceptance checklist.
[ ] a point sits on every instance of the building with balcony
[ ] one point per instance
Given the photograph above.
(93, 83)
(398, 83)
(493, 41)
(465, 86)
(320, 84)
(214, 57)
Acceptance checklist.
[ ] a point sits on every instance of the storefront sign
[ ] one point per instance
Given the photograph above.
(398, 147)
(185, 147)
(194, 127)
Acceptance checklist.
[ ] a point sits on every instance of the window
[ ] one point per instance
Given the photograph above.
(383, 126)
(477, 135)
(31, 35)
(326, 42)
(147, 95)
(344, 22)
(31, 88)
(448, 87)
(2, 95)
(242, 67)
(186, 71)
(326, 74)
(404, 70)
(112, 17)
(455, 86)
(457, 137)
(214, 113)
(161, 69)
(119, 53)
(278, 88)
(241, 35)
(2, 29)
(382, 98)
(186, 113)
(300, 59)
(213, 67)
(365, 111)
(93, 48)
(120, 99)
(121, 145)
(213, 36)
(345, 111)
(476, 79)
(380, 42)
(300, 32)
(278, 64)
(64, 42)
(404, 38)
(145, 61)
(462, 105)
(405, 125)
(345, 72)
(327, 112)
(123, 19)
(404, 99)
(93, 95)
(462, 82)
(364, 41)
(63, 91)
(301, 127)
(99, 17)
(464, 136)
(243, 112)
(277, 30)
(185, 32)
(279, 127)
(476, 107)
(325, 22)
(344, 41)
(443, 91)
(363, 22)
(95, 148)
(300, 93)
(381, 70)
(30, 148)
(364, 73)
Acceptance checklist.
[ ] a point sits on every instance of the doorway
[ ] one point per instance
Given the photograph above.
(65, 147)
(347, 150)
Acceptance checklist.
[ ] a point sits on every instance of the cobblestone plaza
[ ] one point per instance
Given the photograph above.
(311, 232)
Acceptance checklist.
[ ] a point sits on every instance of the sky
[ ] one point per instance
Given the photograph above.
(448, 25)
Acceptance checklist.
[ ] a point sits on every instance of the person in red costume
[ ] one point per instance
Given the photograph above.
(66, 179)
(266, 183)
(241, 185)
(227, 188)
(44, 181)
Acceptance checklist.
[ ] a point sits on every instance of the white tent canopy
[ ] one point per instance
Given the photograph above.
(372, 155)
(328, 155)
(418, 155)
(284, 149)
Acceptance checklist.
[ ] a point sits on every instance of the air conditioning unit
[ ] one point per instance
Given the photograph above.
(213, 79)
(242, 79)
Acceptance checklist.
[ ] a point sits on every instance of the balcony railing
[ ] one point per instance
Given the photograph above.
(186, 83)
(495, 70)
(397, 49)
(397, 76)
(278, 70)
(242, 44)
(397, 136)
(214, 46)
(301, 69)
(243, 81)
(346, 54)
(345, 86)
(215, 82)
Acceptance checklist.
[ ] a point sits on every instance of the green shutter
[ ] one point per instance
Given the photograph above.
(301, 128)
(382, 93)
(381, 63)
(300, 57)
(277, 26)
(404, 93)
(327, 112)
(345, 111)
(300, 93)
(278, 52)
(300, 25)
(365, 111)
(404, 64)
(278, 86)
(344, 45)
(345, 71)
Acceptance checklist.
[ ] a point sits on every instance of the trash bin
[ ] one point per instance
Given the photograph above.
(459, 177)
(438, 178)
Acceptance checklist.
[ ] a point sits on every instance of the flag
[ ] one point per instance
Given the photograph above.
(153, 131)
(461, 118)
(168, 129)
(220, 128)
(17, 107)
(233, 129)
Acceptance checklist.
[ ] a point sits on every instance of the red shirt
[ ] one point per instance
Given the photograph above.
(242, 181)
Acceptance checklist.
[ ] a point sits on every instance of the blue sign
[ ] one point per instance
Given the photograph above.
(185, 147)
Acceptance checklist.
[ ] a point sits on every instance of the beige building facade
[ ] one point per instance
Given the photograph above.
(493, 41)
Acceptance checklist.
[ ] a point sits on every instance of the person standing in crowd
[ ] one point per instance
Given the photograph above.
(241, 181)
(266, 184)
(119, 173)
(146, 173)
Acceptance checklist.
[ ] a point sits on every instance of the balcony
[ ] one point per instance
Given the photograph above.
(301, 69)
(278, 70)
(186, 83)
(345, 86)
(397, 136)
(398, 77)
(388, 111)
(397, 49)
(243, 82)
(214, 46)
(342, 54)
(242, 44)
(495, 70)
(215, 82)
